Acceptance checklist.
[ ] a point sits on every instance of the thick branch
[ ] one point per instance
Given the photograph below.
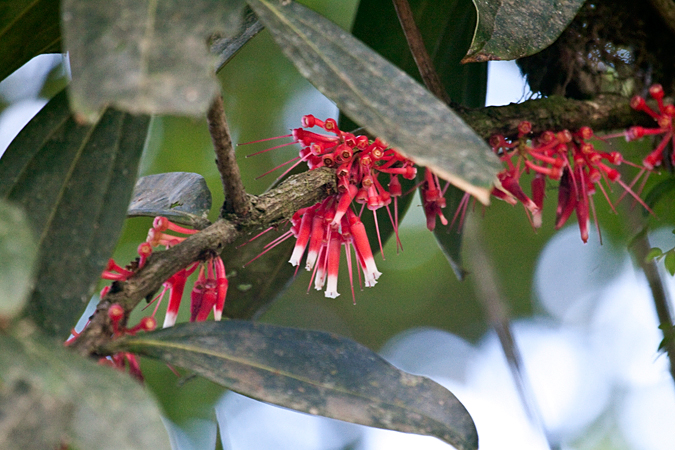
(604, 113)
(272, 207)
(236, 200)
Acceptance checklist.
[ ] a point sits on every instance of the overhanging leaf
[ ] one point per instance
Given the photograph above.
(146, 56)
(74, 182)
(510, 29)
(17, 258)
(227, 47)
(181, 197)
(27, 28)
(446, 33)
(380, 97)
(311, 371)
(49, 396)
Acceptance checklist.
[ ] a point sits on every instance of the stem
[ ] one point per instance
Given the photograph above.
(419, 51)
(274, 206)
(236, 200)
(494, 305)
(640, 247)
(666, 9)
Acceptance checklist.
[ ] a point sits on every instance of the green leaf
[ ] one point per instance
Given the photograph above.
(661, 190)
(669, 262)
(379, 96)
(512, 29)
(145, 56)
(227, 47)
(449, 238)
(27, 28)
(74, 182)
(50, 396)
(253, 287)
(17, 259)
(181, 197)
(446, 27)
(447, 33)
(653, 253)
(311, 371)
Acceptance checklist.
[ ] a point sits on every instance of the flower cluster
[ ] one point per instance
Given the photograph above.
(325, 228)
(208, 293)
(664, 120)
(565, 157)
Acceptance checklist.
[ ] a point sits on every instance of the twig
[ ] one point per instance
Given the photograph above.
(666, 9)
(236, 200)
(272, 207)
(640, 247)
(419, 51)
(488, 292)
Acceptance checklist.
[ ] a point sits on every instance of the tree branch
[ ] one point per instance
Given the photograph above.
(236, 200)
(272, 207)
(603, 113)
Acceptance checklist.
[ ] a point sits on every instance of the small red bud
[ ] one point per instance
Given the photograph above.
(148, 323)
(116, 312)
(656, 91)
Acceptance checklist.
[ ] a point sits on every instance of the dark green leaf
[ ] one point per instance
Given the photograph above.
(17, 259)
(449, 237)
(227, 47)
(145, 56)
(181, 197)
(254, 287)
(663, 188)
(49, 396)
(447, 34)
(311, 371)
(446, 27)
(669, 262)
(74, 182)
(515, 28)
(379, 96)
(27, 28)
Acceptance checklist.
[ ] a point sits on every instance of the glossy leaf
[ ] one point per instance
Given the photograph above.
(379, 96)
(17, 259)
(510, 29)
(145, 56)
(50, 396)
(53, 168)
(311, 371)
(226, 47)
(27, 28)
(181, 197)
